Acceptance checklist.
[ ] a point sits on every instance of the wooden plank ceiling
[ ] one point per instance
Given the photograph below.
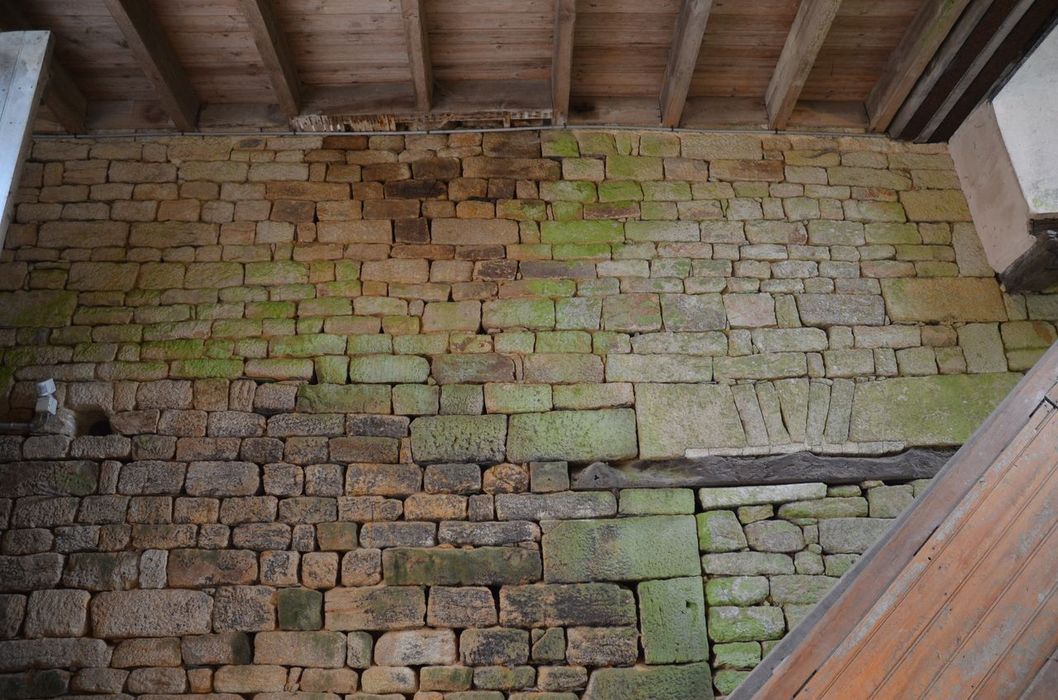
(392, 64)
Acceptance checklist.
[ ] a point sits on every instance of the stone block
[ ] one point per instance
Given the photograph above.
(566, 605)
(673, 418)
(774, 536)
(299, 609)
(151, 613)
(733, 624)
(31, 572)
(555, 506)
(747, 564)
(800, 589)
(459, 438)
(576, 436)
(737, 590)
(658, 368)
(533, 314)
(485, 566)
(461, 607)
(672, 619)
(23, 654)
(851, 535)
(494, 646)
(312, 649)
(416, 648)
(676, 682)
(825, 310)
(376, 608)
(631, 313)
(733, 496)
(630, 549)
(692, 312)
(602, 646)
(57, 613)
(215, 649)
(935, 410)
(935, 205)
(830, 507)
(39, 308)
(720, 531)
(388, 369)
(343, 398)
(476, 368)
(889, 501)
(192, 568)
(943, 299)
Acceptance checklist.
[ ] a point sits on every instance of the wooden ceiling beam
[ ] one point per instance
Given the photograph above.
(909, 59)
(562, 60)
(413, 12)
(152, 49)
(807, 34)
(61, 94)
(275, 54)
(683, 57)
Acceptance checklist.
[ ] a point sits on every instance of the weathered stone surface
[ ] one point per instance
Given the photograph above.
(731, 496)
(152, 613)
(572, 435)
(312, 649)
(889, 501)
(557, 605)
(494, 646)
(651, 683)
(672, 619)
(66, 478)
(732, 624)
(459, 438)
(30, 572)
(555, 506)
(299, 609)
(800, 590)
(460, 567)
(736, 590)
(343, 398)
(659, 501)
(602, 646)
(675, 417)
(377, 608)
(631, 549)
(938, 410)
(747, 564)
(416, 648)
(825, 310)
(461, 607)
(472, 369)
(244, 609)
(943, 299)
(830, 507)
(100, 571)
(222, 479)
(22, 654)
(40, 308)
(57, 613)
(720, 531)
(774, 536)
(850, 535)
(191, 568)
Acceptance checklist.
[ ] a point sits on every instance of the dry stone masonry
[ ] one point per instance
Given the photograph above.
(455, 581)
(331, 395)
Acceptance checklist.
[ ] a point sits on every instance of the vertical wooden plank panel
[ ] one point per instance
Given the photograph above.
(683, 57)
(418, 52)
(806, 37)
(275, 54)
(562, 60)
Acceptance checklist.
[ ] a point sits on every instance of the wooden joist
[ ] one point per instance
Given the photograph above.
(149, 44)
(61, 94)
(275, 54)
(562, 60)
(909, 59)
(418, 52)
(806, 37)
(683, 57)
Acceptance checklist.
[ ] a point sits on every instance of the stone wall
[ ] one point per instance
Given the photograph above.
(153, 577)
(615, 294)
(328, 393)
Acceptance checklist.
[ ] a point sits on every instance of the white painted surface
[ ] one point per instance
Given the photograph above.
(1006, 156)
(23, 56)
(1027, 113)
(991, 186)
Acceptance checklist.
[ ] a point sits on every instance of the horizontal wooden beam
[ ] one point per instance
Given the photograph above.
(149, 44)
(909, 59)
(61, 94)
(275, 54)
(419, 62)
(805, 39)
(800, 467)
(562, 60)
(683, 57)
